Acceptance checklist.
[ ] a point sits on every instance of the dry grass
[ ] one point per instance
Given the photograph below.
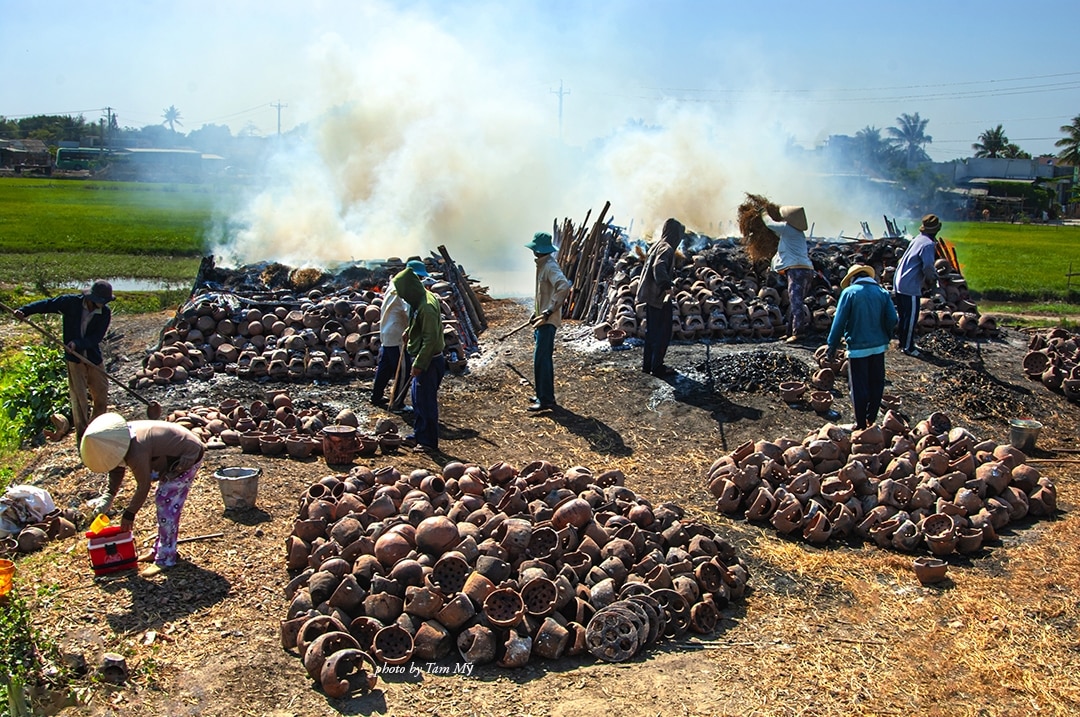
(761, 242)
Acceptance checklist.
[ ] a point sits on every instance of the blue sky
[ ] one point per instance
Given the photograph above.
(438, 121)
(820, 68)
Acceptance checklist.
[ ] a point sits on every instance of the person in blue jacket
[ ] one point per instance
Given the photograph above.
(86, 318)
(865, 319)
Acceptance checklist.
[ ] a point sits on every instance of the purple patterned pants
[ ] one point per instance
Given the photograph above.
(798, 281)
(169, 500)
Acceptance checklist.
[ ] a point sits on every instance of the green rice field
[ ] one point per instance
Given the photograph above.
(63, 232)
(1020, 262)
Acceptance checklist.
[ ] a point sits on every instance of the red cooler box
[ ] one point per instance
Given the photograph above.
(111, 550)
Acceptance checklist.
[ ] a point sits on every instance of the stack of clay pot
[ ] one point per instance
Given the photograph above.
(498, 564)
(270, 427)
(717, 295)
(55, 525)
(311, 337)
(930, 486)
(1053, 358)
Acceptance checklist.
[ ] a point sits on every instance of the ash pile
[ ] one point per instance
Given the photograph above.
(271, 322)
(720, 294)
(497, 565)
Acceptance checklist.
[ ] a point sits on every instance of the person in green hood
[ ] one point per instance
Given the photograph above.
(424, 345)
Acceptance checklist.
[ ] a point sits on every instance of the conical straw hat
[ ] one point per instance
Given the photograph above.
(105, 442)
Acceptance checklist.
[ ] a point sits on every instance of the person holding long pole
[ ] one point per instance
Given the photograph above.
(86, 318)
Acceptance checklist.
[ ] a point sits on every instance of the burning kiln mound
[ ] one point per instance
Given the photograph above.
(845, 627)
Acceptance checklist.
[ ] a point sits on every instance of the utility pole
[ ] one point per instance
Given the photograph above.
(108, 127)
(278, 107)
(561, 93)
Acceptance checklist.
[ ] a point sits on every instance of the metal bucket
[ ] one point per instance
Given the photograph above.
(1023, 432)
(239, 486)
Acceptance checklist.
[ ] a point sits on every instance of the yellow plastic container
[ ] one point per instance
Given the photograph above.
(7, 572)
(102, 521)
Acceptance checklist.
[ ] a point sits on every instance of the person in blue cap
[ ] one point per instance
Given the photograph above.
(86, 318)
(393, 321)
(552, 289)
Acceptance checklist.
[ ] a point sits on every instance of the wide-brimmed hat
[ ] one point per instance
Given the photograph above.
(541, 243)
(794, 217)
(930, 224)
(418, 267)
(855, 271)
(105, 442)
(100, 292)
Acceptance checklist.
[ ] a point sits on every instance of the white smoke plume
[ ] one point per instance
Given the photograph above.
(425, 138)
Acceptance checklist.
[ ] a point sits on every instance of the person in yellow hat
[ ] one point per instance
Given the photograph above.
(86, 318)
(865, 318)
(156, 452)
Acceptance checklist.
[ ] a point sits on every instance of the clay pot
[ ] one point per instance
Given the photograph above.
(347, 671)
(249, 441)
(436, 535)
(551, 640)
(821, 401)
(324, 646)
(392, 645)
(298, 447)
(792, 391)
(504, 607)
(432, 641)
(930, 570)
(575, 512)
(32, 539)
(477, 644)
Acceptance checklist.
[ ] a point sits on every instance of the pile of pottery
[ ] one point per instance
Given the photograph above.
(930, 485)
(498, 564)
(55, 525)
(283, 336)
(1053, 358)
(717, 294)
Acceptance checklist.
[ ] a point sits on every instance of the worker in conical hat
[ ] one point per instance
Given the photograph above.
(156, 452)
(792, 261)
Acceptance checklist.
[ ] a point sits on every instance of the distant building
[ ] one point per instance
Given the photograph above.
(24, 153)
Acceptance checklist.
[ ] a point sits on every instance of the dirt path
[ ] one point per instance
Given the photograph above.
(828, 631)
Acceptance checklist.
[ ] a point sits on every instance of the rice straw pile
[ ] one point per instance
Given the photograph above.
(760, 241)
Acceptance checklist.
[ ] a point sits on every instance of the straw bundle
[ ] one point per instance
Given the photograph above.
(760, 241)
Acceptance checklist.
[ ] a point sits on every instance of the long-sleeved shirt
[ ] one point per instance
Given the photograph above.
(394, 318)
(915, 270)
(425, 319)
(84, 328)
(657, 276)
(791, 252)
(552, 288)
(159, 450)
(865, 318)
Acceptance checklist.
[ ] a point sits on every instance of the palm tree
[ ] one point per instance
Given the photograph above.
(992, 143)
(1070, 144)
(1013, 151)
(910, 137)
(172, 117)
(873, 152)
